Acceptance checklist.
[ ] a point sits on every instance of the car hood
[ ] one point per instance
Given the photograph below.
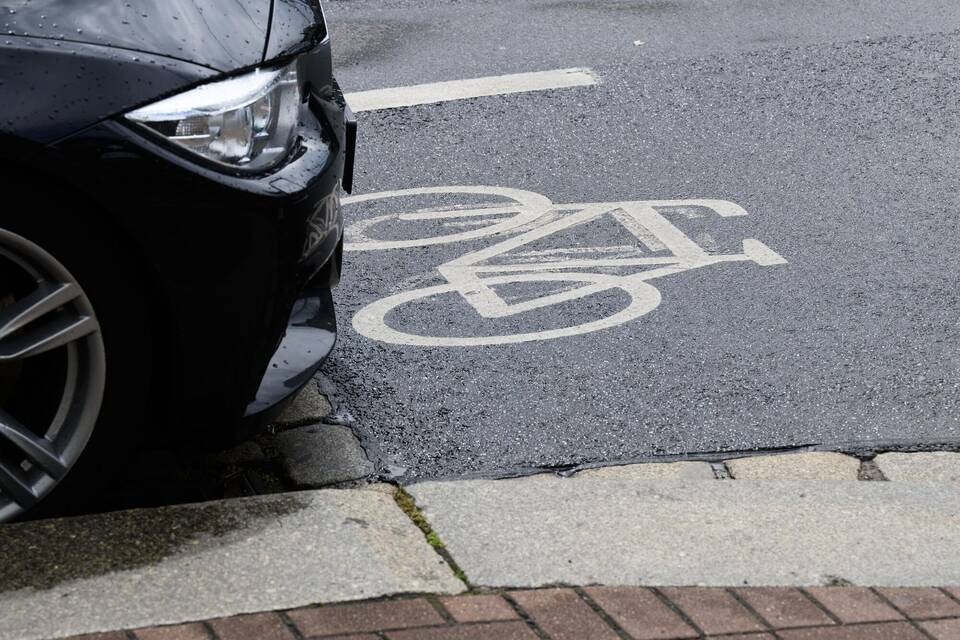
(219, 34)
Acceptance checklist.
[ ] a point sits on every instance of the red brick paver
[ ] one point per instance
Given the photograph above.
(563, 615)
(783, 607)
(887, 631)
(363, 617)
(486, 608)
(600, 613)
(943, 629)
(251, 627)
(713, 610)
(922, 603)
(640, 613)
(854, 604)
(174, 632)
(491, 631)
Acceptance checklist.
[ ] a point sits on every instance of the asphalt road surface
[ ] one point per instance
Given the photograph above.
(593, 326)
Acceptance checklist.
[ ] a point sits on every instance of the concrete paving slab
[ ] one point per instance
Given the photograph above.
(146, 567)
(934, 466)
(322, 454)
(521, 533)
(814, 465)
(651, 471)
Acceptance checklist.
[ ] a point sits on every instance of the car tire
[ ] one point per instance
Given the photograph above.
(105, 269)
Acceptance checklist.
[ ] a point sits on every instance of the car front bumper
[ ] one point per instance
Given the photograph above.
(238, 268)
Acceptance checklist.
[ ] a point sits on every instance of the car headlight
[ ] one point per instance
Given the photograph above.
(247, 122)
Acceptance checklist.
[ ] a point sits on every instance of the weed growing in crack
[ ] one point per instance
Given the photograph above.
(409, 506)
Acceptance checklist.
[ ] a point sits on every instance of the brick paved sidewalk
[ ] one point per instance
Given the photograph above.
(601, 613)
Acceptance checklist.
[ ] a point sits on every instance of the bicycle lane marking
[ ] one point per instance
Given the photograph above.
(473, 280)
(528, 205)
(369, 321)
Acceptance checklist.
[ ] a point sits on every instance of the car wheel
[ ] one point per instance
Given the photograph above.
(52, 373)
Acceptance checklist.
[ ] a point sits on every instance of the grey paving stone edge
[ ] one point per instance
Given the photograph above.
(646, 524)
(535, 532)
(147, 567)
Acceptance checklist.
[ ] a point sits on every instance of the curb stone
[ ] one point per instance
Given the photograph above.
(813, 465)
(651, 471)
(322, 454)
(934, 466)
(310, 405)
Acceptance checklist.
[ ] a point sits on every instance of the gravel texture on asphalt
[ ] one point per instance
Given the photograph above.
(834, 126)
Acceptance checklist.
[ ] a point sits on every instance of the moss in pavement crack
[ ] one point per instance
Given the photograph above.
(409, 506)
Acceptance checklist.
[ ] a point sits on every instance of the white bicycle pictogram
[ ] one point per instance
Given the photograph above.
(529, 217)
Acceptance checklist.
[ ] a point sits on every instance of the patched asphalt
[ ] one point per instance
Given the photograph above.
(834, 126)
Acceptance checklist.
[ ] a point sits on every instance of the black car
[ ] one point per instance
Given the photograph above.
(170, 223)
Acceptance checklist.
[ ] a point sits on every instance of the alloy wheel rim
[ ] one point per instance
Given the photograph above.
(52, 350)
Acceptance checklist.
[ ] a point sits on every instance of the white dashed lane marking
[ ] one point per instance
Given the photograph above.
(473, 88)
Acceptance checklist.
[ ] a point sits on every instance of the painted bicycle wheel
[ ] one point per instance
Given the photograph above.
(488, 212)
(371, 321)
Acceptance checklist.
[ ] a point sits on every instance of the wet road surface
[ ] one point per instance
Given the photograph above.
(832, 125)
(594, 325)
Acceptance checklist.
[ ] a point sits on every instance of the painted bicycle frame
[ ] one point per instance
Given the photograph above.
(534, 218)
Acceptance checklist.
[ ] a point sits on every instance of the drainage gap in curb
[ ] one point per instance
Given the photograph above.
(409, 506)
(870, 470)
(721, 471)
